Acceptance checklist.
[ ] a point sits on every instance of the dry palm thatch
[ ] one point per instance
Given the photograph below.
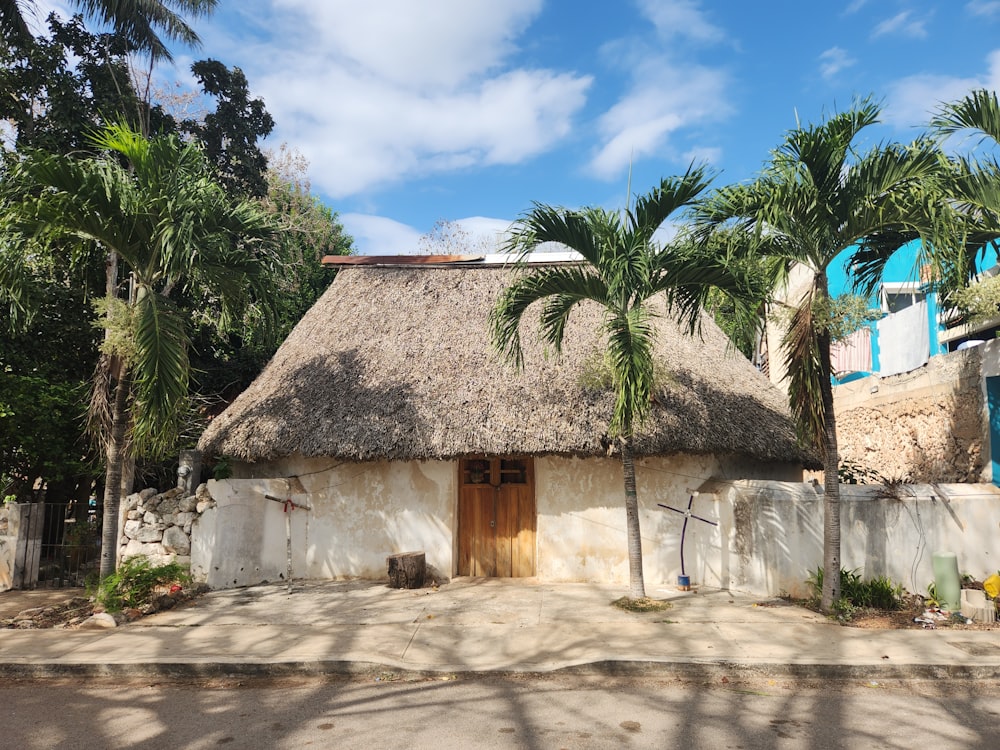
(397, 364)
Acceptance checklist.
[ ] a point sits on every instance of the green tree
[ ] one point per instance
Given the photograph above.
(154, 204)
(226, 362)
(623, 268)
(816, 198)
(230, 133)
(64, 85)
(143, 24)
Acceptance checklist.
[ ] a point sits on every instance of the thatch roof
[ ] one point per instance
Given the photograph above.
(397, 363)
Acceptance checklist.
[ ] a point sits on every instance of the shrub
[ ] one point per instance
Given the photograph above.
(135, 582)
(878, 593)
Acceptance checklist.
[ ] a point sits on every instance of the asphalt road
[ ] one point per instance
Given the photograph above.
(498, 712)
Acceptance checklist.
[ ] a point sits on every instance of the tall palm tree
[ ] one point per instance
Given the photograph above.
(974, 184)
(143, 23)
(154, 204)
(816, 198)
(623, 268)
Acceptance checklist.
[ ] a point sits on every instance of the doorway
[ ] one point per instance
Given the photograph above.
(496, 517)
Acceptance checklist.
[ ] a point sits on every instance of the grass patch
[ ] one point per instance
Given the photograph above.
(641, 605)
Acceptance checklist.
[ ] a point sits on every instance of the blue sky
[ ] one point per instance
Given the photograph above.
(413, 111)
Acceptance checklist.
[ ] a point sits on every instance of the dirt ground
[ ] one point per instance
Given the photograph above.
(70, 607)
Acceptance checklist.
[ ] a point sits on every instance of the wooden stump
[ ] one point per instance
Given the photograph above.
(406, 570)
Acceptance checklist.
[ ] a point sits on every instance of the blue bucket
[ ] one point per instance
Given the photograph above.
(684, 583)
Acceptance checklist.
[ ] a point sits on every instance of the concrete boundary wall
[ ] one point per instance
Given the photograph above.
(768, 539)
(774, 537)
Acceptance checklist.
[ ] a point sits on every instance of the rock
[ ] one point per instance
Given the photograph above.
(133, 548)
(168, 507)
(184, 519)
(176, 541)
(169, 519)
(202, 493)
(99, 621)
(132, 528)
(134, 515)
(187, 504)
(151, 533)
(132, 501)
(148, 493)
(204, 505)
(150, 518)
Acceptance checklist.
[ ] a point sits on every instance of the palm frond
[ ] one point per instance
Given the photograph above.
(630, 350)
(161, 370)
(979, 110)
(565, 285)
(673, 193)
(805, 373)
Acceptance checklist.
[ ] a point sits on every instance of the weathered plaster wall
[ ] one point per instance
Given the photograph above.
(768, 541)
(928, 425)
(774, 535)
(581, 517)
(360, 513)
(20, 543)
(9, 523)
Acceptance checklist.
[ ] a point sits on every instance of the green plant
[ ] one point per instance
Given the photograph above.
(222, 469)
(856, 593)
(135, 583)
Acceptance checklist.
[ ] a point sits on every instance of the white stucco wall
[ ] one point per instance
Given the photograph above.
(360, 513)
(768, 541)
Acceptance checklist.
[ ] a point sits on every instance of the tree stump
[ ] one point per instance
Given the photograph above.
(406, 570)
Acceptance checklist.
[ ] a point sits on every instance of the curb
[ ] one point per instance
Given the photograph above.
(606, 668)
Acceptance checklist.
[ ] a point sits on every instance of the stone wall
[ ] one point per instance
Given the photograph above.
(923, 426)
(158, 524)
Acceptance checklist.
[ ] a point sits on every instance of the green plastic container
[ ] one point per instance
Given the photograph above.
(946, 580)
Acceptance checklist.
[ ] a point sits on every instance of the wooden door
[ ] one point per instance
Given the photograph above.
(496, 517)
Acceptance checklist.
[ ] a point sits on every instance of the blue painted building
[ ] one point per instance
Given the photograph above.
(913, 327)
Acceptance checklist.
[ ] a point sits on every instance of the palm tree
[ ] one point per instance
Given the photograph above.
(153, 205)
(623, 268)
(975, 183)
(140, 22)
(816, 198)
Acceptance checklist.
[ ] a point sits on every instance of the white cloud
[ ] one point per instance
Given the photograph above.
(855, 6)
(438, 43)
(834, 60)
(664, 99)
(378, 93)
(901, 24)
(912, 99)
(680, 18)
(377, 235)
(983, 7)
(703, 155)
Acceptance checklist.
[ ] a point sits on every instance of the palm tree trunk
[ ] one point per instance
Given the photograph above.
(637, 584)
(113, 477)
(831, 485)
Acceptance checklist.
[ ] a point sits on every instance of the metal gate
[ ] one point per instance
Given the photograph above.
(60, 545)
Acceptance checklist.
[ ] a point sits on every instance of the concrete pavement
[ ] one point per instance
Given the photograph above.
(492, 625)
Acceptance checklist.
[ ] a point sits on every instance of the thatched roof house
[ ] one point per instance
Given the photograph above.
(388, 414)
(396, 363)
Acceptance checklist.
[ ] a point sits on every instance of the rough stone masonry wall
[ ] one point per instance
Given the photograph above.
(158, 524)
(925, 426)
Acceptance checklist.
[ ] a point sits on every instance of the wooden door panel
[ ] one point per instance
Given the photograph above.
(496, 517)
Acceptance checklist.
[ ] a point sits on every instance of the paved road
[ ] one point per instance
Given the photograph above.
(500, 712)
